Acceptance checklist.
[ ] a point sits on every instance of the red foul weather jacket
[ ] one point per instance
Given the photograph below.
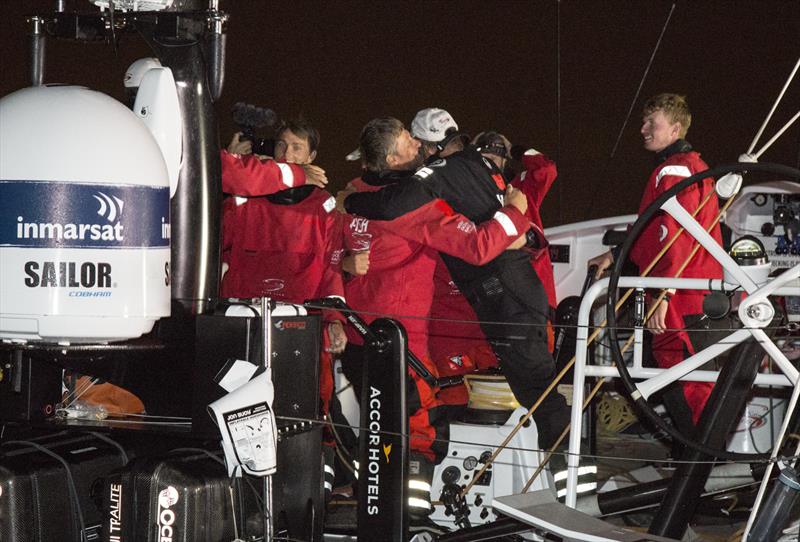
(678, 163)
(283, 243)
(289, 252)
(403, 255)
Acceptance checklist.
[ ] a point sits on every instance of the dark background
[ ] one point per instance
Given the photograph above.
(560, 76)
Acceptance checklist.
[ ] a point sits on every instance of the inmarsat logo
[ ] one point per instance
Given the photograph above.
(61, 214)
(110, 206)
(166, 517)
(110, 209)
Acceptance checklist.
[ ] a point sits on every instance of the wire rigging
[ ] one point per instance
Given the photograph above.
(641, 82)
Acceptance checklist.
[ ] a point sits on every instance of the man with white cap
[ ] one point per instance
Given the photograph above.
(437, 132)
(457, 344)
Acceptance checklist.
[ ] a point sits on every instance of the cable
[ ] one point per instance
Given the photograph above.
(86, 387)
(558, 108)
(114, 443)
(778, 134)
(774, 106)
(641, 82)
(522, 324)
(70, 480)
(524, 449)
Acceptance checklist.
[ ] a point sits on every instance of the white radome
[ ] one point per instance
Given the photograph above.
(84, 219)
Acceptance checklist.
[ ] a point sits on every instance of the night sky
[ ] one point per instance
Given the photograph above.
(558, 76)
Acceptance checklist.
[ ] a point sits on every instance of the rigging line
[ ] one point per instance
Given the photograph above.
(769, 143)
(558, 109)
(641, 83)
(774, 106)
(565, 453)
(590, 325)
(78, 389)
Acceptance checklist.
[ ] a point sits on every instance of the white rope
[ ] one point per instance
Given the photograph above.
(776, 136)
(777, 101)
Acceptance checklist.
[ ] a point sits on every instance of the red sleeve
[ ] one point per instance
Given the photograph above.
(437, 226)
(246, 175)
(538, 177)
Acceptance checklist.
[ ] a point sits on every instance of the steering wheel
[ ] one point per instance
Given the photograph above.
(755, 311)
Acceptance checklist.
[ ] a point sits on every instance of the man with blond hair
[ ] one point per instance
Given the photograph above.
(665, 121)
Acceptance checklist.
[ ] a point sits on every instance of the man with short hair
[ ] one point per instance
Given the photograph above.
(665, 121)
(398, 281)
(437, 134)
(297, 142)
(282, 241)
(504, 292)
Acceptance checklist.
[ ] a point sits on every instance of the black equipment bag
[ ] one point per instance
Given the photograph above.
(41, 500)
(185, 496)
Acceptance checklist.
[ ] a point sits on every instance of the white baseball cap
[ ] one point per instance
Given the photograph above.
(432, 124)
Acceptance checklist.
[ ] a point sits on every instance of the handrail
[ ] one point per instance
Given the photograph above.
(582, 369)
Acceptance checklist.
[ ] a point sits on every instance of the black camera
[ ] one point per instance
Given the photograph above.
(250, 118)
